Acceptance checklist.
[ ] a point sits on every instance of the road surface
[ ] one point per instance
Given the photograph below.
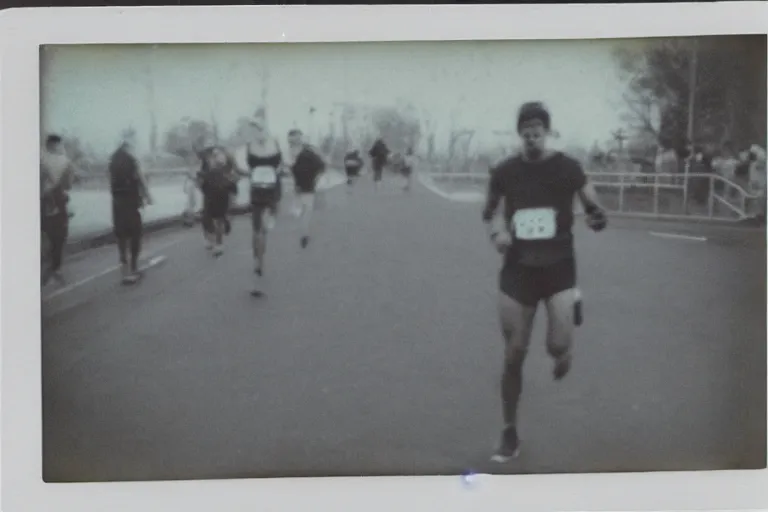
(376, 352)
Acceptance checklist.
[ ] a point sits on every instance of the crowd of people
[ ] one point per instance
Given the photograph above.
(261, 162)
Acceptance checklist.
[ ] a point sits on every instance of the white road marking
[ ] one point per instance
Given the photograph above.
(678, 237)
(153, 261)
(460, 197)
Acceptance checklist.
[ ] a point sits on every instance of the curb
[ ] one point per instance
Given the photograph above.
(107, 237)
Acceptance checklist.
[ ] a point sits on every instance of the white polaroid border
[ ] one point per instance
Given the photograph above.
(21, 33)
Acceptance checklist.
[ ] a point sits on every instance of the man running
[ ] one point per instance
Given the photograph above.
(56, 176)
(129, 194)
(307, 168)
(379, 154)
(217, 180)
(538, 189)
(353, 163)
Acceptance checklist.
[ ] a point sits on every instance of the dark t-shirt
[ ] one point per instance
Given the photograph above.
(125, 183)
(306, 168)
(538, 207)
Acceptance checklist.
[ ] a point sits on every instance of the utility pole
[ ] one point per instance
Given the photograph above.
(692, 78)
(150, 81)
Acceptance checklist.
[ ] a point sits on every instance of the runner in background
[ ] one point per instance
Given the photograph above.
(130, 193)
(217, 180)
(353, 163)
(261, 160)
(379, 154)
(409, 162)
(307, 169)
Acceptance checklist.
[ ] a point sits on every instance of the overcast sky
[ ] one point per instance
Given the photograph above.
(96, 91)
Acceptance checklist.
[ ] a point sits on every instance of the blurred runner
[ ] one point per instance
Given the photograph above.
(409, 162)
(56, 176)
(538, 189)
(217, 180)
(261, 160)
(353, 163)
(307, 168)
(379, 154)
(130, 193)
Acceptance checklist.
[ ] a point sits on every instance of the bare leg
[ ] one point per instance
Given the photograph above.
(307, 209)
(560, 326)
(516, 326)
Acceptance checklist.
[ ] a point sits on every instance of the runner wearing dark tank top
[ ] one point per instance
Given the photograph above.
(263, 172)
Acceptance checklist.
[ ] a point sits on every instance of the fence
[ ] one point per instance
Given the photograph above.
(655, 195)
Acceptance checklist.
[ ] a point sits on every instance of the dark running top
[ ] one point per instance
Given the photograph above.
(125, 183)
(379, 152)
(264, 177)
(538, 207)
(306, 168)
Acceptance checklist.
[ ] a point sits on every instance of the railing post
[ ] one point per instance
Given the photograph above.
(711, 200)
(656, 195)
(685, 192)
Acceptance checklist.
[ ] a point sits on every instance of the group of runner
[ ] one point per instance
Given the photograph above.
(537, 188)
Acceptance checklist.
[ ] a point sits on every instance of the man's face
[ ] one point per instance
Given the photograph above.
(534, 136)
(294, 140)
(56, 148)
(218, 158)
(257, 131)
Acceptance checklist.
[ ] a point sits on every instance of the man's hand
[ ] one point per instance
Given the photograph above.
(596, 220)
(502, 240)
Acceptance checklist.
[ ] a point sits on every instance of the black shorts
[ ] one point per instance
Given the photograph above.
(528, 285)
(257, 214)
(352, 172)
(126, 221)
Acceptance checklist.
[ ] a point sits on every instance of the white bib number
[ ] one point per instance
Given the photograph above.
(535, 224)
(263, 176)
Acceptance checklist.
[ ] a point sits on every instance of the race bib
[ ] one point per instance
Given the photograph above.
(263, 176)
(535, 224)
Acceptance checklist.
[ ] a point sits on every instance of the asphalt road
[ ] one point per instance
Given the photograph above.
(376, 352)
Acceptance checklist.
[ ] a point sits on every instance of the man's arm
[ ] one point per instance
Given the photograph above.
(143, 185)
(492, 200)
(596, 218)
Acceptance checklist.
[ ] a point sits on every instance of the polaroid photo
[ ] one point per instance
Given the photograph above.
(481, 256)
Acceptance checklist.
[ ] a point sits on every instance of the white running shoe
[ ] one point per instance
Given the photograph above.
(218, 251)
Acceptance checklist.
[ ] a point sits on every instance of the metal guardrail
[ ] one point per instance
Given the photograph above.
(725, 200)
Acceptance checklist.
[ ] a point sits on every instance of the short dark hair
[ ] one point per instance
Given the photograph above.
(53, 140)
(294, 131)
(533, 110)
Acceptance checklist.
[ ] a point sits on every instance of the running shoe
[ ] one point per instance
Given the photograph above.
(304, 242)
(509, 447)
(218, 251)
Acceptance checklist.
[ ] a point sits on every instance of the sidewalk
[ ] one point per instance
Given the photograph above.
(93, 208)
